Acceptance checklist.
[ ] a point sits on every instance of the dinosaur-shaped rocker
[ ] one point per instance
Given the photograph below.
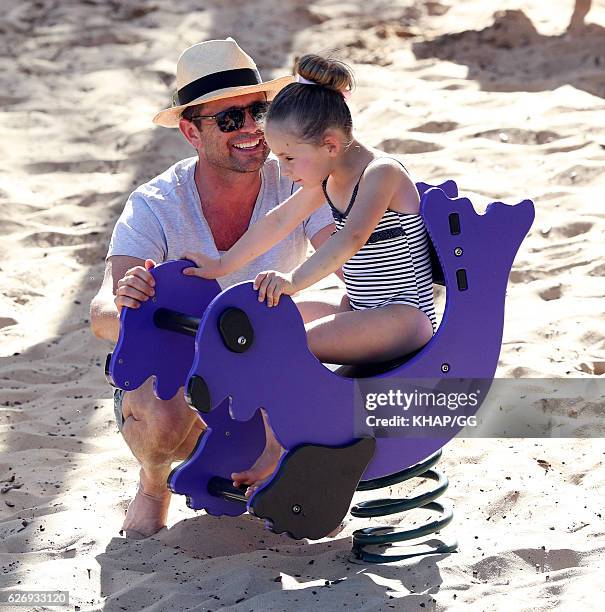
(234, 355)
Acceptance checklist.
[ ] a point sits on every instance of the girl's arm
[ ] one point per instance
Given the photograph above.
(273, 227)
(376, 190)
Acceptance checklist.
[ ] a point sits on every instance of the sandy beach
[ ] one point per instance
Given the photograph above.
(499, 96)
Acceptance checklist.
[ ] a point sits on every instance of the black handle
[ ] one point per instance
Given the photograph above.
(172, 320)
(221, 487)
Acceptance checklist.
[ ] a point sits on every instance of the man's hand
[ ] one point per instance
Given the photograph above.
(272, 284)
(207, 267)
(137, 286)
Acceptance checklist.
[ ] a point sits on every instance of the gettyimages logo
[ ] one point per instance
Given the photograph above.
(416, 410)
(480, 408)
(429, 399)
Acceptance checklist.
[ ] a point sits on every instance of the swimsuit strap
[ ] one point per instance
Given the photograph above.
(324, 184)
(341, 215)
(354, 194)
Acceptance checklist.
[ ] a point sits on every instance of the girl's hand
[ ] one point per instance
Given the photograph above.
(272, 284)
(207, 267)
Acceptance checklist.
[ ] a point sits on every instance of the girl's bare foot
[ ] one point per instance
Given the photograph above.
(262, 469)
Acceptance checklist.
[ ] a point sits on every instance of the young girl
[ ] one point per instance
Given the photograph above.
(380, 242)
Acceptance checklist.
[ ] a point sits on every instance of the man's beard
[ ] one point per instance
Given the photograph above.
(234, 163)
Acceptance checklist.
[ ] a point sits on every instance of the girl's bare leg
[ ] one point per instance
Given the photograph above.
(311, 310)
(366, 336)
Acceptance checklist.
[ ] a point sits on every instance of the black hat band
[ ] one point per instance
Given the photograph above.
(219, 80)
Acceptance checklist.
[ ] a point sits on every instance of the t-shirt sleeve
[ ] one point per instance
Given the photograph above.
(317, 221)
(138, 232)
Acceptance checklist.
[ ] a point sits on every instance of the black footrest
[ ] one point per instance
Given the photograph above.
(312, 490)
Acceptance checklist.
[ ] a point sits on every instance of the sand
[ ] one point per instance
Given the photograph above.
(493, 94)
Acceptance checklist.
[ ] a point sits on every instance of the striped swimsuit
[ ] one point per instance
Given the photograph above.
(393, 267)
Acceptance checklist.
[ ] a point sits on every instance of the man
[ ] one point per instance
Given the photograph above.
(201, 204)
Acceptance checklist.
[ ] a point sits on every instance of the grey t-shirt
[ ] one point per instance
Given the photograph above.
(163, 219)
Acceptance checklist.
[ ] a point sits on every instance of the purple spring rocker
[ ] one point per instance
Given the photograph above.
(234, 355)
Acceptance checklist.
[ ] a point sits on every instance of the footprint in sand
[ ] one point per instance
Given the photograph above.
(58, 239)
(163, 76)
(436, 8)
(551, 560)
(524, 276)
(493, 567)
(436, 127)
(574, 229)
(595, 368)
(98, 38)
(399, 145)
(8, 226)
(20, 294)
(499, 508)
(518, 136)
(90, 255)
(86, 166)
(103, 200)
(598, 367)
(598, 270)
(522, 372)
(7, 322)
(551, 293)
(11, 100)
(578, 175)
(567, 148)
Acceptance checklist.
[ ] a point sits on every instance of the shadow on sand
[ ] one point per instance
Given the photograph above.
(209, 563)
(511, 55)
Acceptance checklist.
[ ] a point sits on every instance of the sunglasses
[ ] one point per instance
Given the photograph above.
(233, 119)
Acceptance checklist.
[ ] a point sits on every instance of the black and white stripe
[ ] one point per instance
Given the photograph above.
(393, 267)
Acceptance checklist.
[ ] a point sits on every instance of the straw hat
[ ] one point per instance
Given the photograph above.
(213, 70)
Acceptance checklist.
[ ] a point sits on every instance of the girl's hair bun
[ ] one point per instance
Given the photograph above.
(330, 73)
(309, 110)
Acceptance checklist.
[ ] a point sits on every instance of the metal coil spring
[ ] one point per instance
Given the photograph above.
(382, 507)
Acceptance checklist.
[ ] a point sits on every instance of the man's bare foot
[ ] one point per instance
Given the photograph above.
(146, 514)
(262, 469)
